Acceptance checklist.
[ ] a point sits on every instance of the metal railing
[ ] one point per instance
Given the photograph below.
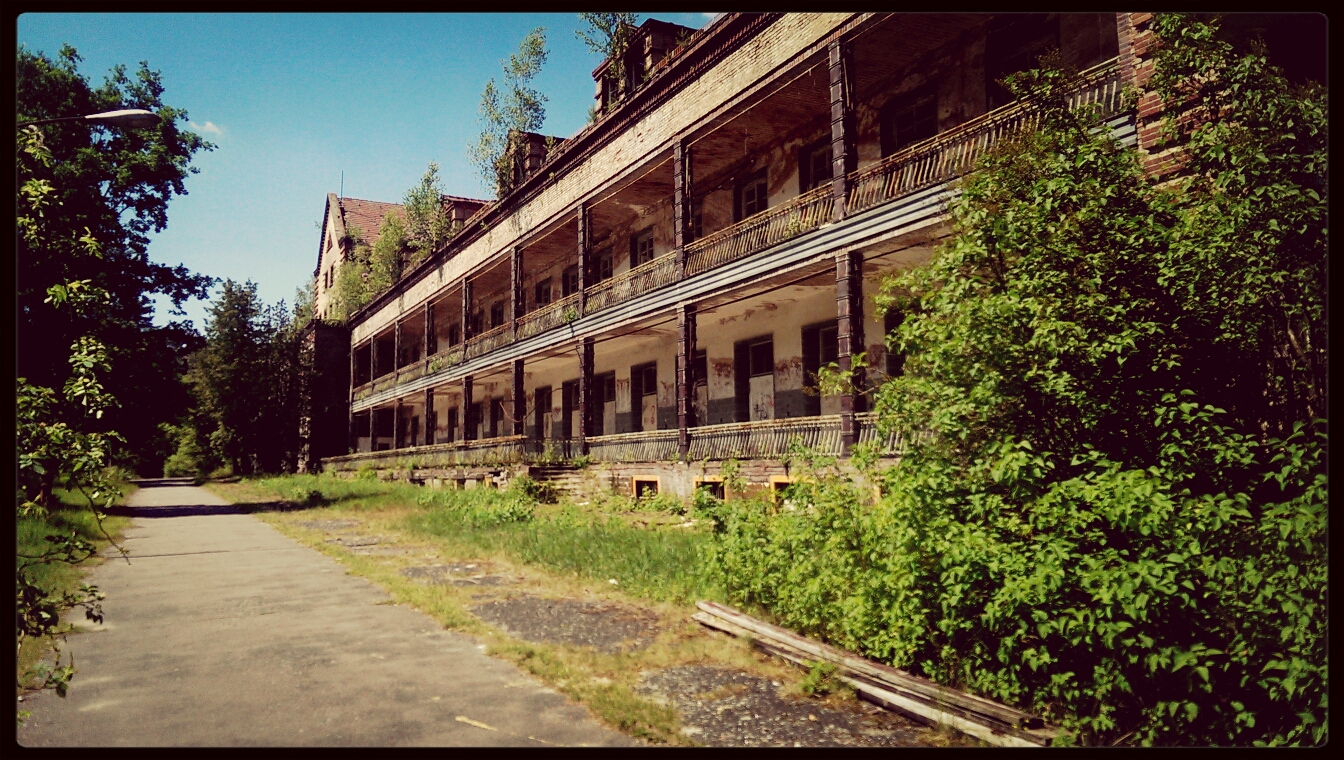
(548, 317)
(766, 438)
(488, 341)
(771, 227)
(953, 153)
(646, 446)
(488, 451)
(644, 278)
(446, 358)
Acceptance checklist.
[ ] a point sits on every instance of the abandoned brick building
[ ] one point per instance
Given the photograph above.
(657, 292)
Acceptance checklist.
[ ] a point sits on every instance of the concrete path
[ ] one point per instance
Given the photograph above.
(223, 632)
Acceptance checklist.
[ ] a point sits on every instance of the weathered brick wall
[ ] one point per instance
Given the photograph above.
(1159, 156)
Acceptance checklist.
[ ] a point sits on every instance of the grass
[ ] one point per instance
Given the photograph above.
(71, 515)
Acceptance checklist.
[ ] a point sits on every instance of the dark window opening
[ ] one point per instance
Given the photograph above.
(762, 358)
(543, 293)
(473, 422)
(645, 488)
(569, 281)
(604, 392)
(643, 382)
(641, 248)
(814, 165)
(496, 416)
(821, 346)
(452, 425)
(541, 408)
(454, 334)
(699, 368)
(908, 119)
(605, 265)
(750, 358)
(751, 196)
(697, 222)
(714, 487)
(497, 315)
(475, 322)
(569, 403)
(1014, 43)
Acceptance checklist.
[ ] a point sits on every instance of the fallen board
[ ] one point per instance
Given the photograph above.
(905, 693)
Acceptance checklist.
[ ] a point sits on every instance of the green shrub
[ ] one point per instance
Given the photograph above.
(479, 507)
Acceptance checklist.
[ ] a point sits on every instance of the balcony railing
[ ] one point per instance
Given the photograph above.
(644, 278)
(765, 438)
(547, 317)
(385, 382)
(866, 422)
(412, 371)
(488, 451)
(364, 391)
(647, 446)
(489, 340)
(771, 227)
(954, 152)
(445, 358)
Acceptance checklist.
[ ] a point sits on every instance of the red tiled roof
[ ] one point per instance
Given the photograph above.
(367, 216)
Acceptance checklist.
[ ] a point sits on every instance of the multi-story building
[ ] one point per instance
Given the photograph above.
(658, 291)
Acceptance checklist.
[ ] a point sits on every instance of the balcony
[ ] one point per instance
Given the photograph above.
(764, 439)
(490, 451)
(936, 161)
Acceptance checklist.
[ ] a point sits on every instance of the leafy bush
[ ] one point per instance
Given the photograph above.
(480, 507)
(1112, 505)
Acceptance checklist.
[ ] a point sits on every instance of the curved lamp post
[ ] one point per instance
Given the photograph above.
(131, 118)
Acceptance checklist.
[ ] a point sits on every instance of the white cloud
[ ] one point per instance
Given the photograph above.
(209, 127)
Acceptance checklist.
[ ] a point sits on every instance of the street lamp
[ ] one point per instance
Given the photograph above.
(131, 118)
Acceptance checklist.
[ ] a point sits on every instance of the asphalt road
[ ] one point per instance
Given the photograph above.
(223, 632)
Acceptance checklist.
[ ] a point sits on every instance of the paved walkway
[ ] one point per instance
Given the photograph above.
(221, 631)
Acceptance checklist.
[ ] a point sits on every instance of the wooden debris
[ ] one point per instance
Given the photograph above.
(894, 689)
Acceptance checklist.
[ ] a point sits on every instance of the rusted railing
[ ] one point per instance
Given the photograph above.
(549, 316)
(866, 422)
(766, 438)
(489, 451)
(646, 277)
(489, 340)
(646, 446)
(413, 371)
(363, 391)
(788, 220)
(385, 382)
(445, 358)
(954, 152)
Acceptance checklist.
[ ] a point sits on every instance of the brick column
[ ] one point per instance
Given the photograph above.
(516, 302)
(519, 399)
(466, 313)
(468, 428)
(431, 417)
(585, 394)
(681, 202)
(430, 337)
(585, 242)
(843, 154)
(685, 356)
(849, 329)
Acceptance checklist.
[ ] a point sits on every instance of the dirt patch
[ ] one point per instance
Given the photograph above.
(358, 541)
(721, 707)
(329, 526)
(456, 574)
(604, 626)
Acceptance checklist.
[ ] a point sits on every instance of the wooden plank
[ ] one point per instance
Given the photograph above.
(878, 673)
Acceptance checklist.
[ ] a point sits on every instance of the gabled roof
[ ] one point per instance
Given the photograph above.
(367, 216)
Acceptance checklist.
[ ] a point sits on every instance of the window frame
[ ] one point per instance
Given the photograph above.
(758, 178)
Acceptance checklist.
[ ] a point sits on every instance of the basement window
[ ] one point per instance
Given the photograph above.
(714, 487)
(644, 488)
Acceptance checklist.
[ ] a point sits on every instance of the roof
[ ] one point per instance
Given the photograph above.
(367, 216)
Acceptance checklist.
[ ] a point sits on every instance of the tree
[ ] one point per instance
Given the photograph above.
(111, 185)
(609, 35)
(385, 256)
(427, 224)
(520, 108)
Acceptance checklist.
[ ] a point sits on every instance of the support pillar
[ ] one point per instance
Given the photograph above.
(585, 242)
(468, 424)
(849, 329)
(585, 394)
(431, 417)
(431, 338)
(516, 302)
(685, 356)
(396, 426)
(466, 313)
(519, 399)
(373, 358)
(396, 347)
(351, 439)
(843, 153)
(681, 203)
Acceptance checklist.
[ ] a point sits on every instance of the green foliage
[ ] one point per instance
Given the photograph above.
(504, 115)
(427, 226)
(608, 35)
(1112, 505)
(478, 507)
(90, 197)
(820, 680)
(386, 254)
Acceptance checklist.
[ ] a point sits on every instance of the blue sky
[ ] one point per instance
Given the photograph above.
(292, 100)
